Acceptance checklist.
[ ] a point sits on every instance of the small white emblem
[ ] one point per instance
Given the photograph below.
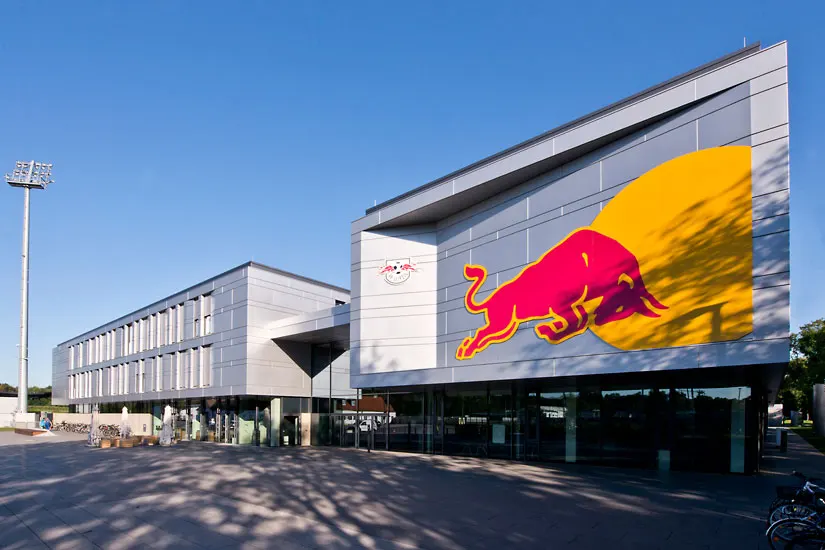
(396, 272)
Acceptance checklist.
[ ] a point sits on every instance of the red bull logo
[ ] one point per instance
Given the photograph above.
(586, 280)
(667, 262)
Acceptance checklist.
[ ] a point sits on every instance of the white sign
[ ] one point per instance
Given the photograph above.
(396, 272)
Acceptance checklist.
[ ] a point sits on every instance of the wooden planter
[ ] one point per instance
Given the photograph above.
(150, 440)
(116, 442)
(197, 435)
(105, 443)
(211, 436)
(127, 443)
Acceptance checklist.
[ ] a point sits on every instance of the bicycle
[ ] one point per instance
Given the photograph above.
(797, 501)
(797, 533)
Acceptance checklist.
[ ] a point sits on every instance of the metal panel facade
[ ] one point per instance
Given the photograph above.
(226, 333)
(412, 332)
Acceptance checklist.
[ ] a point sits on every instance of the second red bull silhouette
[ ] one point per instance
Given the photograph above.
(586, 279)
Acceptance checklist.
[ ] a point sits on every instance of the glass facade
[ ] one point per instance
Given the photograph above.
(678, 428)
(658, 421)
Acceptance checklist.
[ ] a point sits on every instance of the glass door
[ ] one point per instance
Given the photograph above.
(501, 423)
(290, 430)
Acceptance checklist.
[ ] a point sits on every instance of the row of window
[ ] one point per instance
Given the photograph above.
(189, 319)
(175, 371)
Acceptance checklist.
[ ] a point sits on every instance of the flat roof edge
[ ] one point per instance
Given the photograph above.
(296, 276)
(692, 73)
(187, 289)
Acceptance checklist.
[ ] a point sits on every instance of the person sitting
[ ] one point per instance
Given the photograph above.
(48, 424)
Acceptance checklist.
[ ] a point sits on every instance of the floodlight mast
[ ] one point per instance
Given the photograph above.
(28, 175)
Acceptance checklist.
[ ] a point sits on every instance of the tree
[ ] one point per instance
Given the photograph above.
(806, 368)
(810, 344)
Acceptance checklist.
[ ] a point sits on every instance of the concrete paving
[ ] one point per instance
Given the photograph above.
(59, 494)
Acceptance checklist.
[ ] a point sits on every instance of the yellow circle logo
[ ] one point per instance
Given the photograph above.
(689, 224)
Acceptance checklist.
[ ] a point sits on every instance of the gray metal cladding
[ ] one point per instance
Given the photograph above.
(243, 359)
(506, 232)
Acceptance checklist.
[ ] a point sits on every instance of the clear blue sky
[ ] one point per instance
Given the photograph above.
(189, 137)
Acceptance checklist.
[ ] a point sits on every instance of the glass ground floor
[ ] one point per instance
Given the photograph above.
(240, 420)
(699, 419)
(666, 422)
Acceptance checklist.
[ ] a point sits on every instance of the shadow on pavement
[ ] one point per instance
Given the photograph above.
(194, 495)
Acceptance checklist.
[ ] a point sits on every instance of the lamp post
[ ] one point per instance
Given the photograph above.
(28, 175)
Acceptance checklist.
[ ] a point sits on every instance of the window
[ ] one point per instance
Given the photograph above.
(339, 302)
(196, 318)
(176, 369)
(195, 361)
(179, 323)
(170, 324)
(130, 338)
(159, 373)
(186, 356)
(206, 314)
(150, 332)
(206, 366)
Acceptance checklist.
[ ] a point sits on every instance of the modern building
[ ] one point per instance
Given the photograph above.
(206, 352)
(614, 291)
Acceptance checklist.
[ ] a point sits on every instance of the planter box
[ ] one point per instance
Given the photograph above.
(105, 443)
(116, 442)
(127, 444)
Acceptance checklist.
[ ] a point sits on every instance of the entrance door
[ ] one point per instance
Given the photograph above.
(290, 428)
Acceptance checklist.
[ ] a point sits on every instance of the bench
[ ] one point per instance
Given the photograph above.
(29, 431)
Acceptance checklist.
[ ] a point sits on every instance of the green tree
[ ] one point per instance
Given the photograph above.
(806, 368)
(810, 344)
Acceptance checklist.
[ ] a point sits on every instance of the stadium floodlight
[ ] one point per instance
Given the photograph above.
(28, 175)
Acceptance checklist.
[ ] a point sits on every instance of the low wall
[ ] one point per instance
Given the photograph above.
(141, 424)
(7, 407)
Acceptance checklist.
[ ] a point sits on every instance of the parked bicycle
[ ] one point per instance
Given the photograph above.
(797, 533)
(797, 501)
(102, 430)
(797, 515)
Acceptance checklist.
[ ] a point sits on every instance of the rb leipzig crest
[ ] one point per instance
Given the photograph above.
(397, 272)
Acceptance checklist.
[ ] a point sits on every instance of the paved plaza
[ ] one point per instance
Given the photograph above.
(57, 493)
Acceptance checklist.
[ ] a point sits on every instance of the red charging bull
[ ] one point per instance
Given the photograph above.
(587, 279)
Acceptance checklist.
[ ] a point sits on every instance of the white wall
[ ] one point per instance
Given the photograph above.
(394, 327)
(7, 406)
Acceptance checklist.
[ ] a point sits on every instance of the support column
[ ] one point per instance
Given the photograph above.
(570, 427)
(275, 422)
(737, 436)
